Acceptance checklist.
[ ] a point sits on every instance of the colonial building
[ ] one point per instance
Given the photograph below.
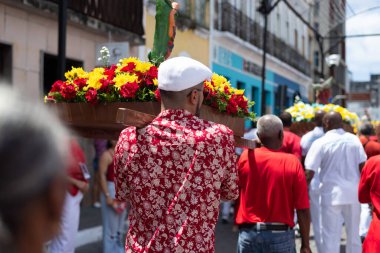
(29, 38)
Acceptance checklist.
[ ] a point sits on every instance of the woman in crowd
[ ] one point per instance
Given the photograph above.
(32, 182)
(113, 212)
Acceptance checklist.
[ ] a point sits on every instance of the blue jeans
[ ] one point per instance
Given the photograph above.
(113, 225)
(251, 241)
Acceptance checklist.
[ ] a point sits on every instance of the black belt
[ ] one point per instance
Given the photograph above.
(265, 226)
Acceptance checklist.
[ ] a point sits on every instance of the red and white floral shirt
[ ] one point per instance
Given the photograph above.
(174, 172)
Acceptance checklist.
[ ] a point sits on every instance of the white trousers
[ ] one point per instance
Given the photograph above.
(331, 217)
(65, 241)
(365, 219)
(315, 213)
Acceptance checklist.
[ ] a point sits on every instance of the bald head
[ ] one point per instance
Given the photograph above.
(332, 120)
(270, 131)
(318, 118)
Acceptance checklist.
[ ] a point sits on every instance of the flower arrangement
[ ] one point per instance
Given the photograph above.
(134, 80)
(302, 112)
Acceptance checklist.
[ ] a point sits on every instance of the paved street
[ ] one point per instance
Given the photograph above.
(225, 241)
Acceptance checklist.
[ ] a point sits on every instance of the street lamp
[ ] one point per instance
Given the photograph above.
(333, 60)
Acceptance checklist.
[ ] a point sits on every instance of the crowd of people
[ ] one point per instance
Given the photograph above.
(173, 173)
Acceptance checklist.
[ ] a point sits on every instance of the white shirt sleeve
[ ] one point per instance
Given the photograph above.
(305, 143)
(362, 154)
(313, 158)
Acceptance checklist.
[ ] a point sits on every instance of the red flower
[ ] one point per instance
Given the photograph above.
(129, 68)
(153, 72)
(80, 82)
(240, 101)
(226, 90)
(157, 95)
(91, 96)
(110, 72)
(129, 90)
(105, 84)
(57, 86)
(232, 107)
(68, 91)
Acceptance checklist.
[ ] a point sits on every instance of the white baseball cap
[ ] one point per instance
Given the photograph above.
(181, 73)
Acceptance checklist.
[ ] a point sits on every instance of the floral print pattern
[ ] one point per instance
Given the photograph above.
(174, 173)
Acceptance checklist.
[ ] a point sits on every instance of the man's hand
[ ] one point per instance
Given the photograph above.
(109, 201)
(305, 250)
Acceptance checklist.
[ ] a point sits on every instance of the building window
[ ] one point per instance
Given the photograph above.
(303, 46)
(5, 63)
(287, 32)
(278, 24)
(316, 58)
(296, 39)
(240, 85)
(51, 74)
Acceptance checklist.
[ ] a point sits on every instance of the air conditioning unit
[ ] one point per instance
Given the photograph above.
(118, 50)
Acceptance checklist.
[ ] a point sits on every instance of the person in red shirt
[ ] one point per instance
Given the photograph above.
(272, 185)
(175, 171)
(77, 176)
(369, 140)
(292, 142)
(369, 192)
(113, 212)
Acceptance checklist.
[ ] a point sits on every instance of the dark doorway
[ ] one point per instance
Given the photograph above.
(5, 63)
(51, 69)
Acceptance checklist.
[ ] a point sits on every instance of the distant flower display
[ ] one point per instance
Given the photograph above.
(134, 80)
(302, 112)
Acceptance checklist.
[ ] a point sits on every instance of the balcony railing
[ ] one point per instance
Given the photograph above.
(123, 14)
(242, 26)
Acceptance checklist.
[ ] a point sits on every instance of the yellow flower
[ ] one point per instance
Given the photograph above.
(155, 81)
(209, 85)
(143, 67)
(125, 61)
(219, 80)
(94, 78)
(238, 92)
(75, 73)
(124, 78)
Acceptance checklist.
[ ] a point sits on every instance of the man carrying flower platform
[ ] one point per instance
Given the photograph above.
(292, 142)
(339, 157)
(175, 170)
(314, 193)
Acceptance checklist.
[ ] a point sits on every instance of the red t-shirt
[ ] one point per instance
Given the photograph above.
(110, 172)
(291, 144)
(272, 185)
(369, 192)
(74, 170)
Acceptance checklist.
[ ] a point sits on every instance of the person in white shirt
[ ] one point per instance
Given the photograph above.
(339, 156)
(314, 195)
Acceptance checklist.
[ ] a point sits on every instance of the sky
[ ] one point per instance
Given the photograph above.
(363, 54)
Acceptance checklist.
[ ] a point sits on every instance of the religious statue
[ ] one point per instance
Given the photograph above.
(323, 90)
(165, 31)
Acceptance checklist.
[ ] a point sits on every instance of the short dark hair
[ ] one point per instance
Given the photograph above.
(286, 119)
(366, 129)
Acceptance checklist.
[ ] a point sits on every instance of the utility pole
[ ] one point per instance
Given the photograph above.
(265, 9)
(62, 25)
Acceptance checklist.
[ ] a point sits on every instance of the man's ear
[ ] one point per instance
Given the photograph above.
(194, 97)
